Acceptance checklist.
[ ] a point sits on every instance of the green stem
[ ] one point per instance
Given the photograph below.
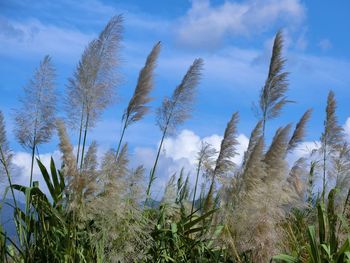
(80, 132)
(18, 226)
(84, 141)
(264, 124)
(324, 172)
(195, 186)
(121, 137)
(37, 152)
(152, 177)
(32, 163)
(153, 170)
(8, 175)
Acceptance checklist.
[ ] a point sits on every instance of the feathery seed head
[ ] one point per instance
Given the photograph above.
(35, 120)
(137, 106)
(299, 132)
(68, 158)
(228, 147)
(175, 110)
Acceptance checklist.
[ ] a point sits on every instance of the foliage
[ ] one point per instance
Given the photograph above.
(324, 246)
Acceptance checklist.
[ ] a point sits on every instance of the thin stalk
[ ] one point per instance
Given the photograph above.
(80, 132)
(84, 141)
(324, 172)
(152, 178)
(310, 183)
(34, 140)
(121, 136)
(12, 192)
(37, 152)
(264, 124)
(195, 186)
(153, 170)
(32, 163)
(8, 176)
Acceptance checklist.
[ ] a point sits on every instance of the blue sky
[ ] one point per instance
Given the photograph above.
(233, 37)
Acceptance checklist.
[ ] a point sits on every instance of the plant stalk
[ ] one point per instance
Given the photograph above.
(80, 132)
(121, 137)
(195, 186)
(153, 170)
(84, 141)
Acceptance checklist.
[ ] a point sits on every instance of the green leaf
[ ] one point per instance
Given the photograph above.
(188, 225)
(332, 222)
(327, 249)
(47, 179)
(55, 180)
(341, 253)
(313, 245)
(321, 222)
(286, 258)
(174, 228)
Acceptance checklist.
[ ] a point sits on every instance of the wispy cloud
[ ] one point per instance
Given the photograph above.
(35, 38)
(206, 25)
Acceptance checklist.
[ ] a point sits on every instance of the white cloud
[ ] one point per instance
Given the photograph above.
(187, 145)
(206, 25)
(21, 166)
(181, 152)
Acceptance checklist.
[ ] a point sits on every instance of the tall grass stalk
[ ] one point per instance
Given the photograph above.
(6, 155)
(272, 95)
(175, 110)
(35, 119)
(137, 107)
(94, 83)
(331, 138)
(205, 161)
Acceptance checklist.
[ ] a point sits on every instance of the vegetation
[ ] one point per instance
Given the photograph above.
(101, 209)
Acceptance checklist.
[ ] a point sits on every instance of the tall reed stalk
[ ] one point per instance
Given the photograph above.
(6, 156)
(137, 107)
(175, 110)
(272, 95)
(35, 119)
(94, 83)
(331, 138)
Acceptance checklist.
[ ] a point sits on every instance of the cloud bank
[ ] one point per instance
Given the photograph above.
(206, 25)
